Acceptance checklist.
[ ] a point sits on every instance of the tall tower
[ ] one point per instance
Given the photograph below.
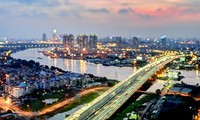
(44, 37)
(92, 42)
(85, 41)
(54, 35)
(135, 42)
(68, 40)
(82, 41)
(71, 41)
(65, 37)
(118, 40)
(163, 41)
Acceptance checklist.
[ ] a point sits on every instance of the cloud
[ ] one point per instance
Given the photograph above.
(125, 11)
(20, 1)
(102, 10)
(4, 11)
(63, 14)
(191, 11)
(33, 14)
(125, 4)
(100, 13)
(145, 16)
(45, 3)
(159, 10)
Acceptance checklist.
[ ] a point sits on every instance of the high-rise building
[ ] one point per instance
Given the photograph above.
(54, 35)
(82, 41)
(71, 41)
(44, 37)
(65, 40)
(68, 40)
(135, 42)
(163, 40)
(92, 43)
(85, 41)
(118, 39)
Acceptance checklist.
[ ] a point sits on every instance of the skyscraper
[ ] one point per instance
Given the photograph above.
(68, 40)
(65, 40)
(71, 41)
(85, 41)
(135, 42)
(44, 37)
(79, 41)
(118, 40)
(92, 43)
(82, 41)
(163, 41)
(54, 35)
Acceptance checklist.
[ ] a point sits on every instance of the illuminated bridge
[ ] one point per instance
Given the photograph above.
(110, 101)
(30, 45)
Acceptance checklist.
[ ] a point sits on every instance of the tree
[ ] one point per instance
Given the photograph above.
(9, 111)
(53, 68)
(37, 64)
(31, 63)
(46, 67)
(158, 91)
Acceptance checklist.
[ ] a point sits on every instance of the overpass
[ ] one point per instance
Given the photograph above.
(110, 101)
(30, 45)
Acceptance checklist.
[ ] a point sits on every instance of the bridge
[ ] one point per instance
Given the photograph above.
(110, 101)
(30, 45)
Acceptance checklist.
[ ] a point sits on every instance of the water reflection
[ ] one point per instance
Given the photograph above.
(197, 74)
(134, 69)
(72, 65)
(54, 62)
(98, 69)
(49, 60)
(78, 66)
(190, 77)
(116, 73)
(82, 66)
(66, 64)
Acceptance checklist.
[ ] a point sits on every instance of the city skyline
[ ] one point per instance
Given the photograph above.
(29, 19)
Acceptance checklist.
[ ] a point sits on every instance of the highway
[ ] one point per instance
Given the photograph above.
(110, 101)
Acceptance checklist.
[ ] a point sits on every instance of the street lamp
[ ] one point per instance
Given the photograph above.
(28, 107)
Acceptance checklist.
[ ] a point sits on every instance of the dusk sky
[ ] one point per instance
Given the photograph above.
(146, 18)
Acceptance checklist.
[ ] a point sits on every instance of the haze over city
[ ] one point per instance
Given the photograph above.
(31, 18)
(99, 60)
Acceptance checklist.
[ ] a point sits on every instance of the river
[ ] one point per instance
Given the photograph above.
(77, 66)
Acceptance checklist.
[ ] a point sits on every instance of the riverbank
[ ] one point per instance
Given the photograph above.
(105, 61)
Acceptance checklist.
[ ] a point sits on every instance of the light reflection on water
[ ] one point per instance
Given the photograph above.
(77, 66)
(81, 66)
(191, 77)
(197, 74)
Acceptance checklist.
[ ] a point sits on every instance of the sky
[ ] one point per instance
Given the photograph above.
(127, 18)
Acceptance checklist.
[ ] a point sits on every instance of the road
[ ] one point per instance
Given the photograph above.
(109, 102)
(8, 106)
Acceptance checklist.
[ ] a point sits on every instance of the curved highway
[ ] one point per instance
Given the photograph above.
(110, 101)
